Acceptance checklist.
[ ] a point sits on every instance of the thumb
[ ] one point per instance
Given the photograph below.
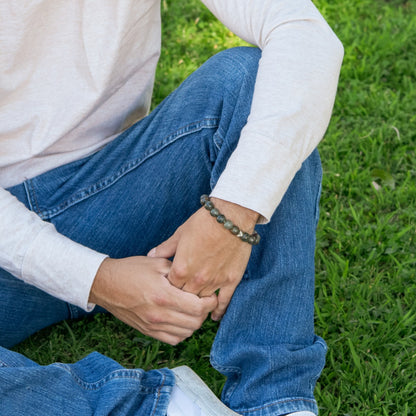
(166, 249)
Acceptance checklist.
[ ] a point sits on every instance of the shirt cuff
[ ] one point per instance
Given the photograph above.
(61, 267)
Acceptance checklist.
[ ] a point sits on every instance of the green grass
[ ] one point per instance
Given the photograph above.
(366, 289)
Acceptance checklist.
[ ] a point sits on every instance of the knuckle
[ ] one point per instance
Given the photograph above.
(176, 340)
(198, 310)
(171, 341)
(153, 319)
(160, 299)
(231, 278)
(201, 279)
(165, 263)
(161, 262)
(180, 271)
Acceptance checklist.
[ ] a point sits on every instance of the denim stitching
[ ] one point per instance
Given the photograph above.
(279, 402)
(123, 373)
(322, 344)
(159, 393)
(223, 369)
(237, 371)
(315, 378)
(317, 200)
(218, 140)
(128, 167)
(73, 311)
(31, 196)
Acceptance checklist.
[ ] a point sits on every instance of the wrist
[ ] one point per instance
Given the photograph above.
(102, 277)
(244, 217)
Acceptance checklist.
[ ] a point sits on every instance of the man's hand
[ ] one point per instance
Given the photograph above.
(207, 256)
(136, 290)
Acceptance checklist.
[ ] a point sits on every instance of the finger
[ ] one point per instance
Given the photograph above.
(178, 324)
(172, 323)
(224, 298)
(208, 291)
(166, 249)
(168, 337)
(210, 303)
(178, 274)
(201, 284)
(169, 298)
(164, 266)
(190, 304)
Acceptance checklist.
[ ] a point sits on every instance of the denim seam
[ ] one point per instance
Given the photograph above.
(117, 374)
(223, 369)
(322, 344)
(31, 196)
(159, 393)
(318, 197)
(218, 139)
(73, 311)
(314, 379)
(277, 403)
(206, 123)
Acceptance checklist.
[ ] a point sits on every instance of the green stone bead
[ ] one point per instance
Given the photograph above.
(235, 230)
(214, 212)
(209, 205)
(245, 237)
(228, 224)
(203, 199)
(252, 239)
(257, 238)
(221, 219)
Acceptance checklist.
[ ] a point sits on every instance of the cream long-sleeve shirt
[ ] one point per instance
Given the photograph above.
(74, 73)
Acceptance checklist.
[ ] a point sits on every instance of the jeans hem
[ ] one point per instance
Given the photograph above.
(282, 407)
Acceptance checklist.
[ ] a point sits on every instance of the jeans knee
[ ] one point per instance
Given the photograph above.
(244, 58)
(237, 64)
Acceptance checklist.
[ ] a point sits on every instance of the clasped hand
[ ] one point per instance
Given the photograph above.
(169, 301)
(207, 257)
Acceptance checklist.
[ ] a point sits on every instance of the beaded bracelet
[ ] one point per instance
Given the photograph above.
(252, 239)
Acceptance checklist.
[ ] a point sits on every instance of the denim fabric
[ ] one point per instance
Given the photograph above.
(95, 386)
(135, 192)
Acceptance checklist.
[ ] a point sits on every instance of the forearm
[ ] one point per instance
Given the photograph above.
(32, 250)
(293, 98)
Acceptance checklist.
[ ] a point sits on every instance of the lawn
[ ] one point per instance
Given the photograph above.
(365, 259)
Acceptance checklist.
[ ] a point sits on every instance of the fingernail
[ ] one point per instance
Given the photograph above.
(152, 253)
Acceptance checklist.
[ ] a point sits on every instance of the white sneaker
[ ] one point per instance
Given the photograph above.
(192, 397)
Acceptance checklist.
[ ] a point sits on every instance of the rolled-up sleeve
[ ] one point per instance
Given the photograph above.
(293, 98)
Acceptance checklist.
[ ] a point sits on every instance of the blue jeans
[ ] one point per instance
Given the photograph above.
(132, 195)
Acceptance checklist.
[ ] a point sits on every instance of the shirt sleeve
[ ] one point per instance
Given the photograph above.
(33, 251)
(293, 97)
